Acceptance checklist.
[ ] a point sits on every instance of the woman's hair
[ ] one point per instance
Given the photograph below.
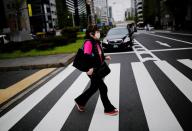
(91, 29)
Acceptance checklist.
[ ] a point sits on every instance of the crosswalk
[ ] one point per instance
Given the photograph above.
(158, 112)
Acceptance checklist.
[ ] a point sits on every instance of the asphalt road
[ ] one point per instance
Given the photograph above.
(151, 86)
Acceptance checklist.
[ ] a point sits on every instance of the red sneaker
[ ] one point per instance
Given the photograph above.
(112, 113)
(79, 107)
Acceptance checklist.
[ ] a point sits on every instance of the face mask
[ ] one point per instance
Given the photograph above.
(97, 35)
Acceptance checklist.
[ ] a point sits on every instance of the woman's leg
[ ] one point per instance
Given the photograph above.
(84, 97)
(104, 97)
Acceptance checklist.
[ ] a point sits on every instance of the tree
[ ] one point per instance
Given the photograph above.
(178, 11)
(63, 15)
(149, 11)
(83, 20)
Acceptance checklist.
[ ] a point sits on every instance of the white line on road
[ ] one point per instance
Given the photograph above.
(164, 44)
(158, 114)
(100, 121)
(57, 116)
(173, 49)
(171, 38)
(168, 32)
(146, 51)
(186, 62)
(14, 115)
(183, 83)
(120, 53)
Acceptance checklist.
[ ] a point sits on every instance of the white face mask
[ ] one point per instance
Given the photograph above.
(97, 35)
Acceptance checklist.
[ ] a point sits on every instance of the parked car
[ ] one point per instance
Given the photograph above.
(4, 39)
(117, 37)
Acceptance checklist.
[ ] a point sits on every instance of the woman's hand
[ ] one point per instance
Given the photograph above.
(90, 72)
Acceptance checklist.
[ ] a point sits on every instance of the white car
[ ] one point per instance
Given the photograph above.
(4, 39)
(149, 28)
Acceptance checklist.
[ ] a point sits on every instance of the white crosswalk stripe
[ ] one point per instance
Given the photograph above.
(101, 122)
(183, 83)
(14, 115)
(63, 107)
(158, 114)
(186, 62)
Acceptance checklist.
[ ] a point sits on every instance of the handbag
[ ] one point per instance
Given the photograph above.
(81, 61)
(102, 71)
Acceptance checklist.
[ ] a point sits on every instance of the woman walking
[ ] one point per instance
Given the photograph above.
(93, 49)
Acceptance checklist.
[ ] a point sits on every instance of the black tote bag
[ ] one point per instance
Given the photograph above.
(102, 71)
(81, 61)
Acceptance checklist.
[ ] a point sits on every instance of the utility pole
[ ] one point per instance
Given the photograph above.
(73, 20)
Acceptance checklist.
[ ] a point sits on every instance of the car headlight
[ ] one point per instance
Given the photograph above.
(126, 39)
(105, 41)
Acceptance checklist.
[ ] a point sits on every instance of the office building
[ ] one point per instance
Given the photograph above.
(44, 15)
(103, 6)
(80, 13)
(139, 6)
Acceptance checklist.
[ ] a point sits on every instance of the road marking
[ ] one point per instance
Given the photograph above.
(173, 49)
(6, 94)
(120, 53)
(186, 62)
(182, 82)
(57, 116)
(168, 32)
(164, 44)
(14, 115)
(171, 38)
(158, 114)
(100, 121)
(144, 51)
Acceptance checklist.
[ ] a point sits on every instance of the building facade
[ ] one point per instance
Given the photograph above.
(80, 17)
(44, 15)
(139, 6)
(104, 15)
(133, 8)
(15, 15)
(91, 12)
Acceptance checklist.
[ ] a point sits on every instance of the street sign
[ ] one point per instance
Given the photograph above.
(30, 10)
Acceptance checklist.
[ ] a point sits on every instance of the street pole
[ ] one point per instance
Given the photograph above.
(73, 20)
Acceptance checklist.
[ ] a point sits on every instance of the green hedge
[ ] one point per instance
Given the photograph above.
(39, 44)
(70, 32)
(104, 30)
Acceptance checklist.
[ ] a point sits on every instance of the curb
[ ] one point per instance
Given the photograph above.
(61, 63)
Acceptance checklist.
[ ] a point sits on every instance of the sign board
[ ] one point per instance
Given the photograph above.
(30, 10)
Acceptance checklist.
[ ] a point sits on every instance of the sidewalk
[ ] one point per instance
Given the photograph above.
(36, 62)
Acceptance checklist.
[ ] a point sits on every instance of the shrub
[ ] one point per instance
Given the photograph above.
(70, 32)
(104, 30)
(39, 44)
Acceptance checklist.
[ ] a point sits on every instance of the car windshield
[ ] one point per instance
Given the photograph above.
(117, 31)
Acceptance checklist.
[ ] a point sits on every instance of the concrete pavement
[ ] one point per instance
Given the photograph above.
(50, 62)
(36, 62)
